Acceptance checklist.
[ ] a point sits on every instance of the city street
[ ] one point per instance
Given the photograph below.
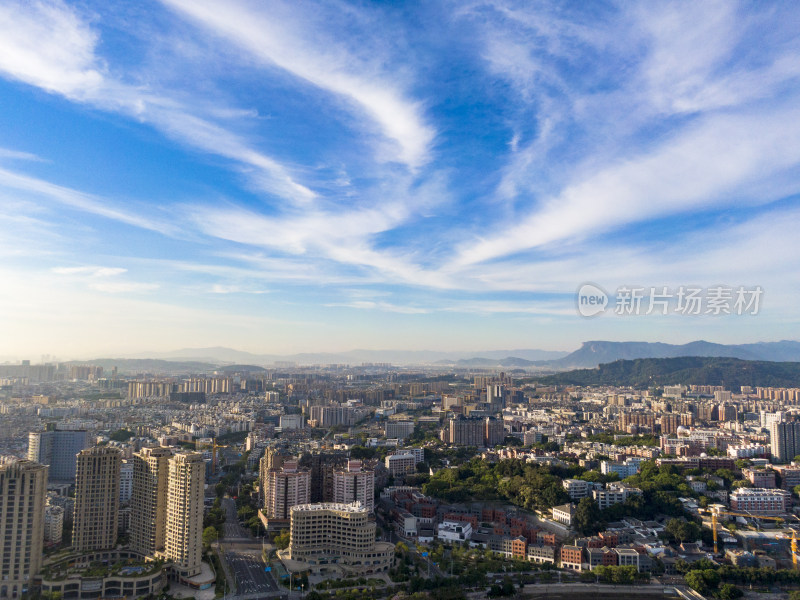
(231, 529)
(242, 555)
(248, 573)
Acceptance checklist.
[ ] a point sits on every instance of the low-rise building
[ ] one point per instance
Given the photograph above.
(577, 488)
(400, 464)
(572, 558)
(454, 531)
(539, 553)
(760, 501)
(760, 478)
(564, 513)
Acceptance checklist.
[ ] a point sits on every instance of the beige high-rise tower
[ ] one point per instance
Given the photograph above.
(354, 484)
(149, 500)
(287, 487)
(23, 488)
(96, 499)
(184, 524)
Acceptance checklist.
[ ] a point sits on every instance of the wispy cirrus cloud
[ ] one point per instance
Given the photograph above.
(291, 42)
(50, 45)
(90, 271)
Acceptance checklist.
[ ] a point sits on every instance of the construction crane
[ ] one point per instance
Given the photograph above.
(714, 514)
(201, 442)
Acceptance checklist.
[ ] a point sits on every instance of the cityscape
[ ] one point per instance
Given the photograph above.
(452, 300)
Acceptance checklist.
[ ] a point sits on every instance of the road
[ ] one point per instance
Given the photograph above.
(242, 555)
(248, 573)
(231, 530)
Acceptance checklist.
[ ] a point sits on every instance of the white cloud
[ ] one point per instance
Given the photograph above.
(124, 287)
(48, 45)
(80, 200)
(331, 67)
(707, 165)
(90, 271)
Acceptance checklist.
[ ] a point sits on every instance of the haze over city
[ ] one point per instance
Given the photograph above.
(304, 177)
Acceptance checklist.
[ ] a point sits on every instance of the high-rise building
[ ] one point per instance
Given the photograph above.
(125, 482)
(354, 484)
(287, 487)
(481, 432)
(494, 432)
(785, 440)
(149, 500)
(96, 498)
(466, 431)
(342, 534)
(58, 449)
(184, 526)
(53, 524)
(23, 487)
(323, 465)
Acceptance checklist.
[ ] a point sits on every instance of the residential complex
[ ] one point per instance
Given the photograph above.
(23, 485)
(97, 499)
(331, 537)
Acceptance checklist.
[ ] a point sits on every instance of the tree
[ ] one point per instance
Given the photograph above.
(682, 530)
(728, 591)
(694, 579)
(210, 535)
(587, 518)
(282, 539)
(121, 435)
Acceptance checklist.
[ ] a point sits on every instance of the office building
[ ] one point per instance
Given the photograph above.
(354, 484)
(184, 526)
(58, 449)
(96, 499)
(149, 500)
(784, 440)
(287, 487)
(332, 537)
(23, 486)
(399, 429)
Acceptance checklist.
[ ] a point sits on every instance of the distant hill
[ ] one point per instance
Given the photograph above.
(690, 370)
(221, 355)
(591, 354)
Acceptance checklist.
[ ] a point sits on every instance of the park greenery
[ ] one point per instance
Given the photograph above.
(539, 487)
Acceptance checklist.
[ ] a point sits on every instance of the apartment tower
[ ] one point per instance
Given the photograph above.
(354, 484)
(286, 488)
(23, 488)
(96, 499)
(184, 523)
(149, 500)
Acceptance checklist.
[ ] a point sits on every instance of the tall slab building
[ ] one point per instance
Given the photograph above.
(23, 488)
(96, 499)
(184, 523)
(149, 500)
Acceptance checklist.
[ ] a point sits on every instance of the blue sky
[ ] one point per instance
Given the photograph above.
(282, 177)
